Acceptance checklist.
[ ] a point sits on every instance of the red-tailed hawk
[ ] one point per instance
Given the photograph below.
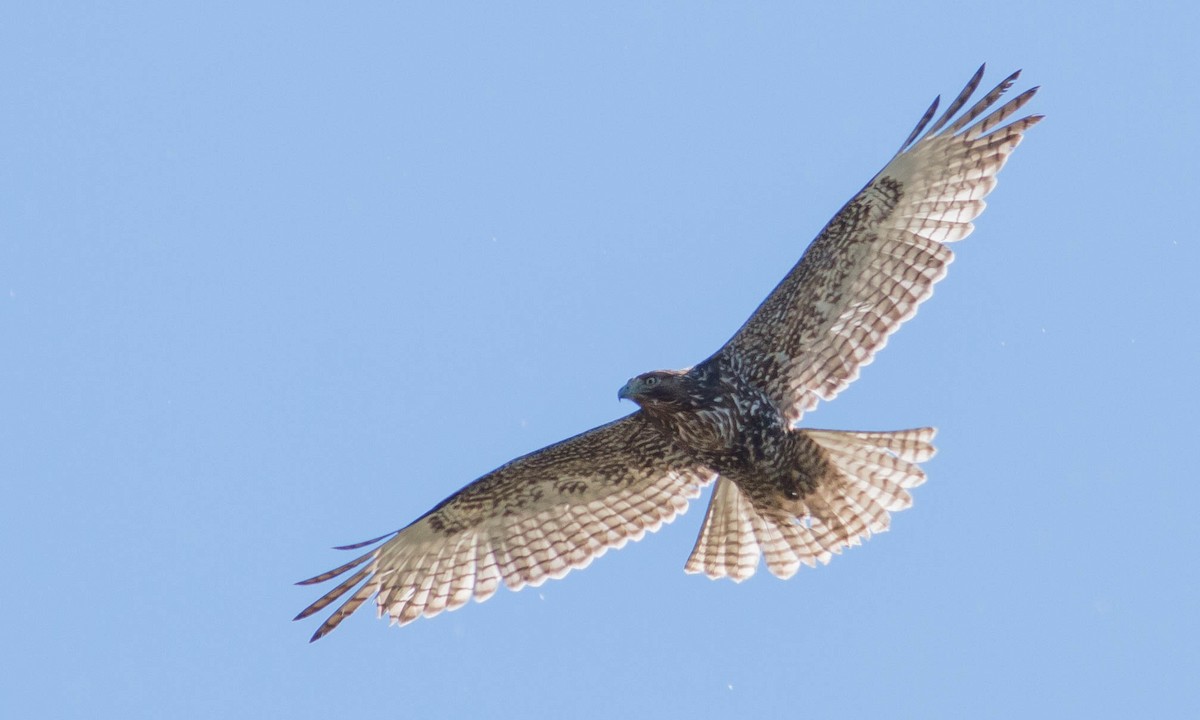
(787, 495)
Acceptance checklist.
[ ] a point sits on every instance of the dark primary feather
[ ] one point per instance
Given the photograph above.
(879, 257)
(534, 518)
(788, 495)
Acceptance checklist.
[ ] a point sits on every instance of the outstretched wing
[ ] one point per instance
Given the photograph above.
(538, 517)
(880, 256)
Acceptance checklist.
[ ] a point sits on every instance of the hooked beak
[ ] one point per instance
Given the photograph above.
(626, 392)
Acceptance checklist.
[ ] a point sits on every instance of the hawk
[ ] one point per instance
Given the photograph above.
(785, 495)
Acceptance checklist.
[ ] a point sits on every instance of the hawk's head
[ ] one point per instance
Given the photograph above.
(659, 390)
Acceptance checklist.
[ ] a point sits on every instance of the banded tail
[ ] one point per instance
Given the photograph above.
(874, 471)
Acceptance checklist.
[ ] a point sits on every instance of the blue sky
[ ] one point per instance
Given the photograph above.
(277, 277)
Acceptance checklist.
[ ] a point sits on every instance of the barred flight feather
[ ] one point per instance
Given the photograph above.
(873, 472)
(784, 496)
(928, 193)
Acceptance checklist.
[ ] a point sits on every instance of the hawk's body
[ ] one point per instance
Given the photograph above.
(785, 494)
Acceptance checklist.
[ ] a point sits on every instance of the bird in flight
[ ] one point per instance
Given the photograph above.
(785, 495)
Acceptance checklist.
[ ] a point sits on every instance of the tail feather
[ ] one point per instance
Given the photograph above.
(781, 557)
(871, 474)
(912, 445)
(727, 539)
(801, 538)
(841, 515)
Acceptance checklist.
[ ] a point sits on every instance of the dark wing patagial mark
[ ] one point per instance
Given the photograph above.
(535, 518)
(879, 257)
(557, 509)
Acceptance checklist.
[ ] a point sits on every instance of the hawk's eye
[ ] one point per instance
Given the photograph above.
(651, 381)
